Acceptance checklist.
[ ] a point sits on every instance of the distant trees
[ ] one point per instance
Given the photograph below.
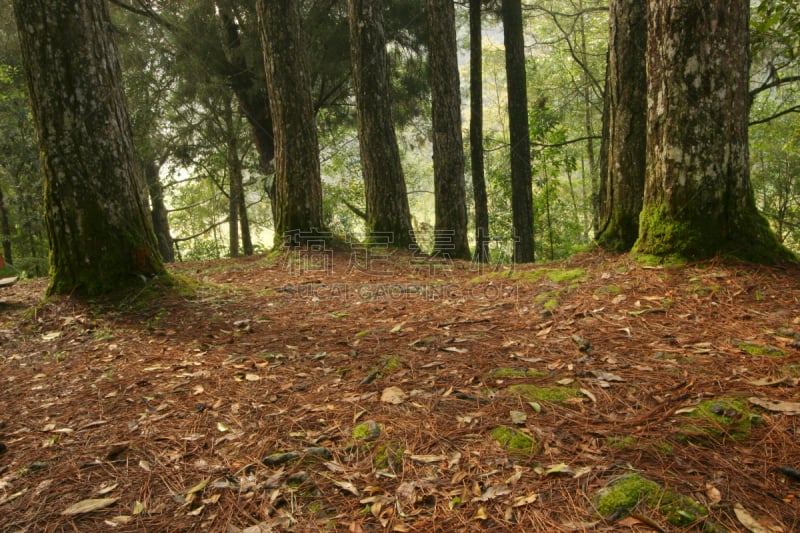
(101, 237)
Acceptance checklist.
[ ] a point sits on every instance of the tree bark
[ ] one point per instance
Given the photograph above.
(298, 202)
(384, 183)
(622, 154)
(101, 237)
(448, 147)
(234, 165)
(476, 132)
(698, 201)
(5, 230)
(158, 210)
(521, 184)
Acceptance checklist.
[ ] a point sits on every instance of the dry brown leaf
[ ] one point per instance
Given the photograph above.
(394, 395)
(87, 506)
(751, 523)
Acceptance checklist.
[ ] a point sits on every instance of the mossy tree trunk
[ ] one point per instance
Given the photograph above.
(698, 198)
(622, 154)
(298, 202)
(521, 181)
(448, 148)
(384, 183)
(158, 209)
(101, 237)
(476, 132)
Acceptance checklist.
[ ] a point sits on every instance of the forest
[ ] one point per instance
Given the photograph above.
(399, 265)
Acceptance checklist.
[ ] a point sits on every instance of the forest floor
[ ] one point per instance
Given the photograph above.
(283, 394)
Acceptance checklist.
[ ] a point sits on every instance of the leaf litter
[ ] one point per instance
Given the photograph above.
(233, 407)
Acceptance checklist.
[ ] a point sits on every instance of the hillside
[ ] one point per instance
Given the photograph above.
(278, 394)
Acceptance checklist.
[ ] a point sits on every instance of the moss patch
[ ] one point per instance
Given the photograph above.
(369, 430)
(757, 349)
(544, 394)
(535, 276)
(625, 493)
(718, 418)
(515, 441)
(515, 372)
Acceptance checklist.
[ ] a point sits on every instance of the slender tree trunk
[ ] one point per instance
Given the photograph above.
(101, 237)
(476, 132)
(253, 99)
(384, 182)
(298, 183)
(448, 146)
(158, 210)
(622, 154)
(698, 200)
(521, 185)
(234, 178)
(5, 230)
(244, 222)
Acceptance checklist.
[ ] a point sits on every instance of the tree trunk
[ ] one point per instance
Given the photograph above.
(448, 147)
(234, 179)
(384, 182)
(521, 185)
(158, 210)
(252, 97)
(298, 183)
(476, 132)
(698, 199)
(622, 154)
(5, 230)
(101, 237)
(244, 223)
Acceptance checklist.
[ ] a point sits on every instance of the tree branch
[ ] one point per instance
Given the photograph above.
(793, 109)
(776, 83)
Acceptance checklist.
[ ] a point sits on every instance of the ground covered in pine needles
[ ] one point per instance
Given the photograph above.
(317, 392)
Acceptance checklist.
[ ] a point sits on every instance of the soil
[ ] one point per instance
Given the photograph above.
(230, 403)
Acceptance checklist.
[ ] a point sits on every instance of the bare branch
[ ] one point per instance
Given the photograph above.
(793, 109)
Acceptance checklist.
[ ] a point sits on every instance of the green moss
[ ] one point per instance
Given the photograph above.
(625, 493)
(392, 363)
(608, 290)
(534, 276)
(389, 456)
(514, 440)
(515, 372)
(544, 394)
(369, 430)
(699, 235)
(718, 418)
(757, 349)
(620, 442)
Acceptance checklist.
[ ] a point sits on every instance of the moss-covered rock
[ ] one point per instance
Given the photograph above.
(713, 420)
(624, 494)
(544, 394)
(514, 440)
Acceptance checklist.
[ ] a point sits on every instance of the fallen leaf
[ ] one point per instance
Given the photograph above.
(87, 506)
(347, 487)
(428, 459)
(789, 408)
(751, 523)
(394, 395)
(518, 417)
(200, 486)
(525, 500)
(713, 493)
(495, 491)
(589, 395)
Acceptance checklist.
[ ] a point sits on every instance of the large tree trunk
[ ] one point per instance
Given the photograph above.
(298, 183)
(384, 183)
(476, 132)
(101, 237)
(158, 210)
(622, 154)
(448, 147)
(698, 199)
(521, 184)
